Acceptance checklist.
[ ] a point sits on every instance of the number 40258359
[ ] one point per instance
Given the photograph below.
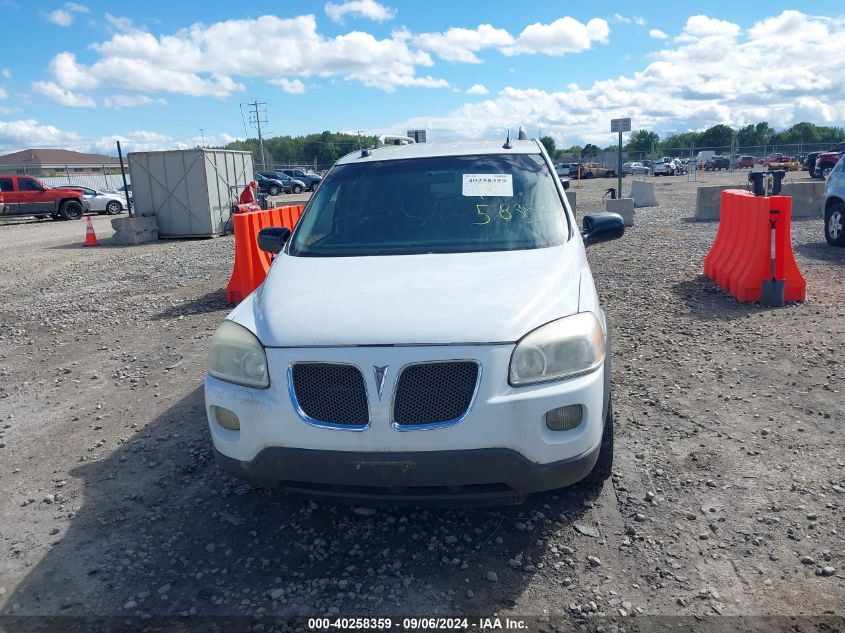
(506, 212)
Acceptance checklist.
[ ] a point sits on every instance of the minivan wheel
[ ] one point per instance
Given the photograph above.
(834, 225)
(275, 190)
(296, 189)
(71, 210)
(826, 171)
(604, 465)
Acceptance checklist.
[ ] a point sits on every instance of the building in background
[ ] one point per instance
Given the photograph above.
(58, 162)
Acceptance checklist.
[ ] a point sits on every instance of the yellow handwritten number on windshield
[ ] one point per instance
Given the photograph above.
(483, 214)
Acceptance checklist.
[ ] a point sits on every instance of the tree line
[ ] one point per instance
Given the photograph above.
(717, 137)
(324, 148)
(320, 149)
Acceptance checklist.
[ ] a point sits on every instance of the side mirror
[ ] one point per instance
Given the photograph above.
(273, 238)
(602, 227)
(565, 184)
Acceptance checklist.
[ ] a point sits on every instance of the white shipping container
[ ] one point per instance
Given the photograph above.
(191, 192)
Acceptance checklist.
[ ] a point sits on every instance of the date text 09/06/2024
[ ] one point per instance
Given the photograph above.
(417, 624)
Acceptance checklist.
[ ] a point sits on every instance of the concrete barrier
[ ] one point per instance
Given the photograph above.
(643, 193)
(135, 230)
(572, 197)
(622, 206)
(806, 199)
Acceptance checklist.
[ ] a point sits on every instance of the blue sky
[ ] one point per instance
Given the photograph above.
(153, 73)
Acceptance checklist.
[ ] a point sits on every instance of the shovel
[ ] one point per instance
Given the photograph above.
(772, 291)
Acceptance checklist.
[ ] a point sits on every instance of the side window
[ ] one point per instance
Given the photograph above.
(29, 184)
(5, 184)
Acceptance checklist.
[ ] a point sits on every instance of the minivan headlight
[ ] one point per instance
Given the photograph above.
(561, 349)
(237, 356)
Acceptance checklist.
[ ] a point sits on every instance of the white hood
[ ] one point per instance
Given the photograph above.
(437, 299)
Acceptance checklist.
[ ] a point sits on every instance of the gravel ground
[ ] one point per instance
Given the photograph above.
(727, 496)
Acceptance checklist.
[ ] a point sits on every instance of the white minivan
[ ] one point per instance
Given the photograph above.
(429, 331)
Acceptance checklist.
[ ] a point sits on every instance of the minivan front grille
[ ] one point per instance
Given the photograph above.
(329, 393)
(434, 393)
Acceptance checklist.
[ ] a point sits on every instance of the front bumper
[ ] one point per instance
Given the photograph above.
(492, 475)
(502, 449)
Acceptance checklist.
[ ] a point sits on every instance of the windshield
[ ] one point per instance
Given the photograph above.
(453, 204)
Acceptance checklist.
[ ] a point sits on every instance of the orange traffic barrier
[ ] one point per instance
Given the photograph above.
(90, 236)
(740, 258)
(251, 263)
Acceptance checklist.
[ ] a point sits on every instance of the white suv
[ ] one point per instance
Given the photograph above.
(430, 330)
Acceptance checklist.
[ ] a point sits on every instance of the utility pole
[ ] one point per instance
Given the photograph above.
(360, 132)
(256, 120)
(202, 132)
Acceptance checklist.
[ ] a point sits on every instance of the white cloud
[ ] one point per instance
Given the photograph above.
(291, 86)
(138, 141)
(16, 135)
(460, 45)
(700, 84)
(63, 96)
(701, 26)
(636, 19)
(76, 7)
(5, 73)
(118, 24)
(60, 17)
(657, 34)
(119, 101)
(477, 89)
(565, 35)
(201, 60)
(562, 36)
(3, 94)
(369, 9)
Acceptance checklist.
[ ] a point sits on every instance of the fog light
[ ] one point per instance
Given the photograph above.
(227, 419)
(564, 418)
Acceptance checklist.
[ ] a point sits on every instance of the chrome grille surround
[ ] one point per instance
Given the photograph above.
(308, 386)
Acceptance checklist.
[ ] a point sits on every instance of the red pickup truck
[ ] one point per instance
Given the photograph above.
(26, 195)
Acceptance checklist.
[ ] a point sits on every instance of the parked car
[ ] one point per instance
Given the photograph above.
(270, 186)
(563, 169)
(288, 184)
(321, 384)
(826, 162)
(122, 191)
(810, 161)
(666, 167)
(717, 163)
(834, 206)
(775, 157)
(101, 201)
(635, 169)
(310, 180)
(787, 163)
(745, 162)
(27, 195)
(594, 170)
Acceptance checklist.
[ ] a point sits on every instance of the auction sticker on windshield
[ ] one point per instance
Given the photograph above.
(493, 185)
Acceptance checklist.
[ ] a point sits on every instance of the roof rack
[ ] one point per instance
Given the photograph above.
(390, 139)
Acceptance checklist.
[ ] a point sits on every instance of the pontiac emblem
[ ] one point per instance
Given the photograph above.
(380, 373)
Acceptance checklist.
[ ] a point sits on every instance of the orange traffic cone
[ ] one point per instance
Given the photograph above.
(90, 236)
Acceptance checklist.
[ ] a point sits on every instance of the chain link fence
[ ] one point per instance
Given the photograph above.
(101, 177)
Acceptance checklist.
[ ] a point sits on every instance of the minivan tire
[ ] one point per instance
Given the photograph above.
(71, 210)
(604, 464)
(834, 224)
(296, 189)
(275, 190)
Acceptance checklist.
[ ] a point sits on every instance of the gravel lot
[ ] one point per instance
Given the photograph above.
(727, 499)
